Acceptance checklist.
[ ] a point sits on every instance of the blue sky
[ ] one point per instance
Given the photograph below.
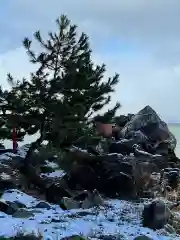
(139, 39)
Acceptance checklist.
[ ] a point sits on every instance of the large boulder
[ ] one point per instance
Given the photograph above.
(149, 123)
(155, 215)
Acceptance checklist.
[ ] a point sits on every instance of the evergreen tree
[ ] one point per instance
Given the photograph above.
(64, 91)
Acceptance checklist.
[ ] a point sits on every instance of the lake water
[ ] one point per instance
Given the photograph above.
(175, 129)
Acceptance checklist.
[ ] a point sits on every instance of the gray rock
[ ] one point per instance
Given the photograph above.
(7, 208)
(73, 237)
(111, 237)
(22, 213)
(6, 184)
(143, 237)
(169, 229)
(138, 136)
(150, 124)
(20, 204)
(43, 205)
(16, 204)
(155, 215)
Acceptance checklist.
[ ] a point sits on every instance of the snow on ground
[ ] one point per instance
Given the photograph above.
(23, 150)
(51, 164)
(119, 217)
(54, 174)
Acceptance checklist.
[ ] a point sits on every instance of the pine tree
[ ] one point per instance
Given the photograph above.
(64, 92)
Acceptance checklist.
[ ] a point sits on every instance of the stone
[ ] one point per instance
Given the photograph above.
(173, 179)
(112, 237)
(6, 184)
(81, 196)
(150, 124)
(22, 213)
(143, 237)
(7, 208)
(24, 237)
(19, 204)
(126, 167)
(84, 176)
(55, 192)
(155, 215)
(122, 185)
(137, 136)
(16, 205)
(169, 229)
(73, 237)
(68, 203)
(43, 205)
(123, 146)
(92, 200)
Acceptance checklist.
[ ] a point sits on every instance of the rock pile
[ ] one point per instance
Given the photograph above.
(128, 171)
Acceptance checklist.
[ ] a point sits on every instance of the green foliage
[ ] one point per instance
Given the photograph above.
(63, 92)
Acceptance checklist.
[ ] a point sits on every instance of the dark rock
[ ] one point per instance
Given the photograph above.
(138, 137)
(155, 215)
(108, 173)
(46, 169)
(2, 151)
(84, 176)
(146, 194)
(6, 184)
(177, 170)
(143, 237)
(16, 205)
(111, 237)
(81, 196)
(123, 146)
(162, 148)
(171, 176)
(149, 123)
(73, 237)
(126, 167)
(19, 204)
(22, 213)
(55, 192)
(24, 237)
(138, 152)
(167, 169)
(173, 179)
(7, 208)
(172, 157)
(2, 146)
(120, 185)
(43, 205)
(52, 159)
(108, 237)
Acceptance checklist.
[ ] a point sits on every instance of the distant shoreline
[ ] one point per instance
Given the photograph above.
(173, 123)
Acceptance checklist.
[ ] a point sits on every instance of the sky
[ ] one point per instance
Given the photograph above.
(138, 39)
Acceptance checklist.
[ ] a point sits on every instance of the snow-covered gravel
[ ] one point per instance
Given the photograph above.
(117, 218)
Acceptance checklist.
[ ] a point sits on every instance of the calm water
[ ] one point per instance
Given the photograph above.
(175, 129)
